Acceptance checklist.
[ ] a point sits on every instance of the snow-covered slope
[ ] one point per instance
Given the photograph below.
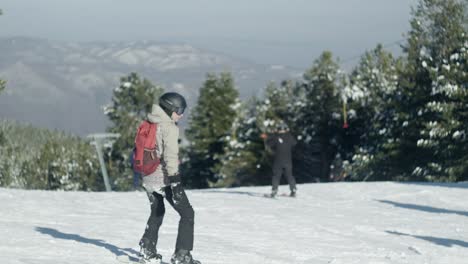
(340, 223)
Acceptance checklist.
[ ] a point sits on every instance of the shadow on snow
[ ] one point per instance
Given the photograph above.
(255, 194)
(424, 208)
(436, 240)
(97, 242)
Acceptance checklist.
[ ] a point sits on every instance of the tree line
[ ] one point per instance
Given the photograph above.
(390, 118)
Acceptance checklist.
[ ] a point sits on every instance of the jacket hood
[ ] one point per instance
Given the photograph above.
(158, 115)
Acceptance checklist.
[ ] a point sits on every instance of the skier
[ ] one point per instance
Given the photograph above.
(165, 182)
(281, 143)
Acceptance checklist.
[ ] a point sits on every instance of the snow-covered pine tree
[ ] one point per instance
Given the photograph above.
(2, 82)
(131, 101)
(318, 108)
(371, 97)
(444, 58)
(2, 85)
(243, 162)
(65, 163)
(275, 107)
(210, 122)
(53, 160)
(433, 107)
(11, 163)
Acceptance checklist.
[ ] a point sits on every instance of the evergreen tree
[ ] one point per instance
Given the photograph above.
(276, 106)
(210, 122)
(372, 96)
(2, 85)
(432, 146)
(244, 162)
(444, 134)
(51, 160)
(318, 108)
(131, 101)
(2, 82)
(68, 164)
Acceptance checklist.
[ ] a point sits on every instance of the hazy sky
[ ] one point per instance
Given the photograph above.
(290, 32)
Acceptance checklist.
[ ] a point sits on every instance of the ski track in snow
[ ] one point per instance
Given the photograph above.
(336, 223)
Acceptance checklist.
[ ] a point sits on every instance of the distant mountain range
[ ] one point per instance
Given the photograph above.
(64, 85)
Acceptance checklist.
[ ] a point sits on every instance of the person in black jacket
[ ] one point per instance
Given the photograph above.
(281, 144)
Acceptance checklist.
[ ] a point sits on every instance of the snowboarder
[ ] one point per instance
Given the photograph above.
(165, 183)
(281, 143)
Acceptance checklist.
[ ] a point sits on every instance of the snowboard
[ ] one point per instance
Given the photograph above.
(131, 260)
(267, 195)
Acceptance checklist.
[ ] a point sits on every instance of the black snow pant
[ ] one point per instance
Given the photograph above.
(178, 200)
(278, 170)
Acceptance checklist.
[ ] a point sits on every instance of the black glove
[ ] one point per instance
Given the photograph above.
(175, 191)
(172, 180)
(178, 194)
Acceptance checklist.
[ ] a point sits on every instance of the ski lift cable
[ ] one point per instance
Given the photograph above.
(387, 45)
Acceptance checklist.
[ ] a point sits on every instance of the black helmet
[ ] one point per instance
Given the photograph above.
(172, 102)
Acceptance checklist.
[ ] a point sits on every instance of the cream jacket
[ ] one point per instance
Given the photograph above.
(167, 137)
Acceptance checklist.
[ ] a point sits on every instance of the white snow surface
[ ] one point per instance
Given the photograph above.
(339, 223)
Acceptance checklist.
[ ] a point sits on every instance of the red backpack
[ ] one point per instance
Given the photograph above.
(145, 158)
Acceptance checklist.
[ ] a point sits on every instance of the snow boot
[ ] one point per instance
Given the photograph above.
(272, 194)
(293, 193)
(183, 256)
(149, 256)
